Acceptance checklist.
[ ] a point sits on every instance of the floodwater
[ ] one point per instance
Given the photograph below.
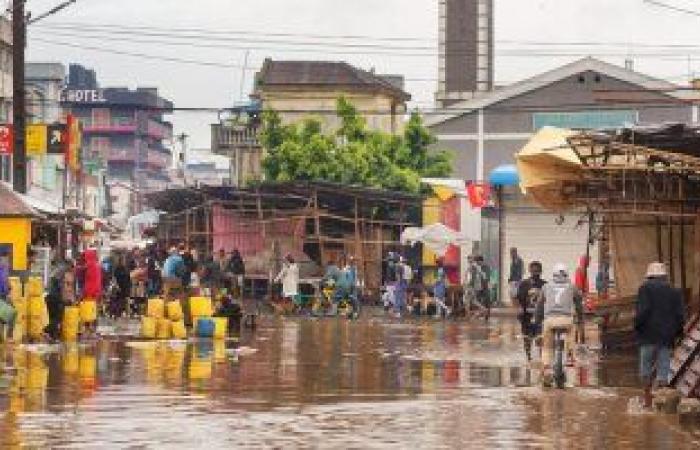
(322, 383)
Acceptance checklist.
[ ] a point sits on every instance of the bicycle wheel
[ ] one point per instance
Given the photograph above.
(559, 374)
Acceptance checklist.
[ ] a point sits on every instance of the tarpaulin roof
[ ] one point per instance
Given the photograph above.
(545, 163)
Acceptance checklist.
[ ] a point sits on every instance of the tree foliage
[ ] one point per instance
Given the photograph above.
(354, 154)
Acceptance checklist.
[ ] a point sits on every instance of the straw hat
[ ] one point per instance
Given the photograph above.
(656, 269)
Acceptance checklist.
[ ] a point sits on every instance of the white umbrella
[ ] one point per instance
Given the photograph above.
(437, 237)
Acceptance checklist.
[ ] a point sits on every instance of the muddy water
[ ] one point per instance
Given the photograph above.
(322, 383)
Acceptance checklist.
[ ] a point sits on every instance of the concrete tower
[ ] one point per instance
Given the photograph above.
(465, 50)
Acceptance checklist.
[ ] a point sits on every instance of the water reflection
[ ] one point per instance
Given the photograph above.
(329, 383)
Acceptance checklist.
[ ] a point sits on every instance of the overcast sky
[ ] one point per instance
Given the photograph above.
(626, 26)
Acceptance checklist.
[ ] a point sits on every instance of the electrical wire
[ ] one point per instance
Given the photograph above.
(672, 7)
(55, 10)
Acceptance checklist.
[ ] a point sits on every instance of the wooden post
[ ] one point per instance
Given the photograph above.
(694, 304)
(358, 242)
(671, 255)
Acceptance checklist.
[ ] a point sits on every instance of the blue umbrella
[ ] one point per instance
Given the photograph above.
(505, 175)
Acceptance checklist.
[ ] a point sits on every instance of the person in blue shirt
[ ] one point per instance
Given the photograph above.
(173, 269)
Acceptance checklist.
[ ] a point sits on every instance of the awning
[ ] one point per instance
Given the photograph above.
(545, 163)
(41, 205)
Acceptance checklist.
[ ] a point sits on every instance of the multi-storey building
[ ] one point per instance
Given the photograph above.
(124, 133)
(5, 90)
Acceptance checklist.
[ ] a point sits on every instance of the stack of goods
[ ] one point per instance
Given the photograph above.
(201, 313)
(177, 319)
(151, 324)
(37, 313)
(19, 302)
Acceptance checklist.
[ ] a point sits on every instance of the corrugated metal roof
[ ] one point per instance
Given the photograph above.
(12, 205)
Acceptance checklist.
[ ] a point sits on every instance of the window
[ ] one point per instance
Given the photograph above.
(6, 168)
(101, 117)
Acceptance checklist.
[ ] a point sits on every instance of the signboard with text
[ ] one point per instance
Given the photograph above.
(83, 96)
(6, 140)
(36, 141)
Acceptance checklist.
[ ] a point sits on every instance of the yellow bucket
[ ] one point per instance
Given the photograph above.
(200, 307)
(71, 323)
(220, 327)
(35, 327)
(179, 330)
(87, 367)
(36, 306)
(20, 330)
(21, 307)
(163, 329)
(200, 369)
(220, 350)
(155, 308)
(34, 287)
(148, 327)
(88, 311)
(16, 290)
(174, 309)
(71, 361)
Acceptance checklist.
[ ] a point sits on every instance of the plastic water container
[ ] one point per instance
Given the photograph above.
(155, 308)
(200, 307)
(71, 323)
(21, 308)
(36, 306)
(88, 311)
(16, 288)
(148, 327)
(34, 287)
(200, 369)
(205, 327)
(220, 327)
(178, 330)
(163, 329)
(174, 311)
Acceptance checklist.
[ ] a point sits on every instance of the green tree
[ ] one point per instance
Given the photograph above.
(354, 154)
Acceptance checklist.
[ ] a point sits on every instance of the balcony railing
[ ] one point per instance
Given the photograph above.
(112, 127)
(122, 154)
(159, 130)
(226, 137)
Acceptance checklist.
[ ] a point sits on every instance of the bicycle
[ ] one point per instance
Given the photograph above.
(559, 373)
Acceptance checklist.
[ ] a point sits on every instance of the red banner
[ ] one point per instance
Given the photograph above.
(478, 194)
(7, 140)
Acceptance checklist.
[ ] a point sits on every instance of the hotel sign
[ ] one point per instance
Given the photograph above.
(90, 96)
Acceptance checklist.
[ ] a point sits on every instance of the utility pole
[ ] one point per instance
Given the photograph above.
(182, 163)
(19, 37)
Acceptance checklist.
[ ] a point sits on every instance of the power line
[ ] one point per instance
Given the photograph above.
(246, 38)
(56, 9)
(673, 7)
(140, 55)
(513, 53)
(254, 37)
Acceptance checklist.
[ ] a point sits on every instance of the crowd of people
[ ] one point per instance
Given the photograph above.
(120, 284)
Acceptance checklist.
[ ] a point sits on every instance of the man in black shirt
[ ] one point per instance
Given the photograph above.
(529, 292)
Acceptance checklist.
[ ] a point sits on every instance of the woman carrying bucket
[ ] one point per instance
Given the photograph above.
(92, 292)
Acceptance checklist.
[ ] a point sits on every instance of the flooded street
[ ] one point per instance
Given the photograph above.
(375, 383)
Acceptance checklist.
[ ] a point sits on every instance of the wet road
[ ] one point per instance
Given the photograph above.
(327, 383)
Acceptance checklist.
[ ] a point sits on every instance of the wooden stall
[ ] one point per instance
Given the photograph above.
(315, 222)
